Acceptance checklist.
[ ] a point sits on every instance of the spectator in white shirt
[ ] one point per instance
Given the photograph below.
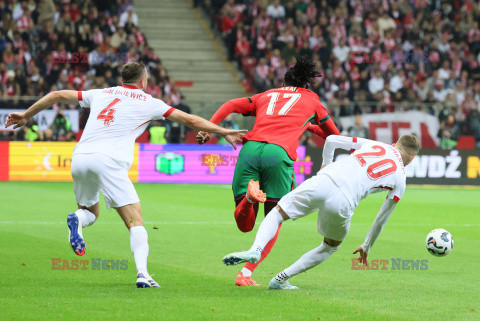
(444, 72)
(341, 51)
(276, 10)
(440, 93)
(396, 82)
(129, 16)
(376, 84)
(19, 9)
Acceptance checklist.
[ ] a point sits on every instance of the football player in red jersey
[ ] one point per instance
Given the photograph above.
(265, 163)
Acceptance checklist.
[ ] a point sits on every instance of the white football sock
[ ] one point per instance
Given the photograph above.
(85, 217)
(308, 260)
(246, 272)
(139, 246)
(267, 230)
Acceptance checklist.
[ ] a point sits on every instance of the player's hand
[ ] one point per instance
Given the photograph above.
(363, 255)
(234, 137)
(323, 165)
(17, 119)
(203, 137)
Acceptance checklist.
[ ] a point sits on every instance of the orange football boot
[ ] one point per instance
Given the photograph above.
(254, 193)
(245, 280)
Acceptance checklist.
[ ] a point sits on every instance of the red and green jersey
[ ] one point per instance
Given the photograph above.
(282, 115)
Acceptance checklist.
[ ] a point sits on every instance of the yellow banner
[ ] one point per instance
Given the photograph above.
(48, 161)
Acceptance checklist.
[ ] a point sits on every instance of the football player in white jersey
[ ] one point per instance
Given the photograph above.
(334, 193)
(101, 159)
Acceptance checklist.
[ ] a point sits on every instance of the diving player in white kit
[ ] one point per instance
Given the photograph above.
(334, 193)
(102, 157)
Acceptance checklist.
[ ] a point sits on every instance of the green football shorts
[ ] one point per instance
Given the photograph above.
(267, 163)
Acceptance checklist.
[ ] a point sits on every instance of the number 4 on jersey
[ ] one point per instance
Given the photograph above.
(107, 113)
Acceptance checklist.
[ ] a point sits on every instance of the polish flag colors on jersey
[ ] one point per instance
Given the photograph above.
(282, 115)
(118, 115)
(372, 167)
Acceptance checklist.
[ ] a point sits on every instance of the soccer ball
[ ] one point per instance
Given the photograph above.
(439, 242)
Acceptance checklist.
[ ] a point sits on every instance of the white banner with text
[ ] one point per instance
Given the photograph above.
(387, 127)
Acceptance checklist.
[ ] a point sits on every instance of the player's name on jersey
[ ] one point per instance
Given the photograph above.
(126, 93)
(289, 88)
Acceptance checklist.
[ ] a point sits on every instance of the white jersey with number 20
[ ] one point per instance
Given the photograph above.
(118, 115)
(372, 167)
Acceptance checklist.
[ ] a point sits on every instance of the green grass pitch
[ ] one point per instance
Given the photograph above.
(191, 228)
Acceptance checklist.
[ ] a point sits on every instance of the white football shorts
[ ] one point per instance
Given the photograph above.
(97, 172)
(320, 194)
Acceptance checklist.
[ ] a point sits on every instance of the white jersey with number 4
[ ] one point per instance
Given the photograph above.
(118, 115)
(372, 167)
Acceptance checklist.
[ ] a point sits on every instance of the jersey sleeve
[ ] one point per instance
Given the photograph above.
(325, 122)
(316, 130)
(161, 110)
(252, 111)
(397, 192)
(378, 224)
(244, 106)
(344, 142)
(85, 97)
(321, 115)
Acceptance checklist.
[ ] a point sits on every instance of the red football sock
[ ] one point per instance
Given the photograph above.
(245, 215)
(266, 251)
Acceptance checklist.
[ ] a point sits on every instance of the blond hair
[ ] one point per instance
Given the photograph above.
(409, 144)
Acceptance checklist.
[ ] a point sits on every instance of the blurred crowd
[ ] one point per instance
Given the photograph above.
(376, 55)
(50, 45)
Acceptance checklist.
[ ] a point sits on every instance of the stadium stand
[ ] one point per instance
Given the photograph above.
(181, 37)
(376, 55)
(49, 45)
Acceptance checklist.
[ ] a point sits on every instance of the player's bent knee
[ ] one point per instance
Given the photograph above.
(282, 213)
(94, 209)
(332, 243)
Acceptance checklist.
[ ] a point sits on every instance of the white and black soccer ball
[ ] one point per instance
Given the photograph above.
(439, 242)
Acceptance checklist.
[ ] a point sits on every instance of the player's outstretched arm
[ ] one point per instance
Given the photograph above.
(238, 105)
(344, 142)
(378, 224)
(232, 136)
(60, 96)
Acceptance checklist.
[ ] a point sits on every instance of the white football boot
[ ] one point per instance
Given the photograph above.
(241, 257)
(285, 285)
(146, 282)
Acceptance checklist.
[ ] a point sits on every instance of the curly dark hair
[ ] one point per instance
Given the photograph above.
(302, 74)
